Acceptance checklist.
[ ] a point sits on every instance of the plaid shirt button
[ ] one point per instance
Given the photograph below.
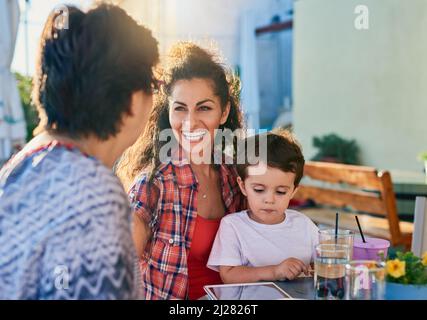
(170, 241)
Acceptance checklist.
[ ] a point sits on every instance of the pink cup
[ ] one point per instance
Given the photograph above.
(373, 249)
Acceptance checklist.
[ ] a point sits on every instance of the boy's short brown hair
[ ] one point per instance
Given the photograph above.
(283, 152)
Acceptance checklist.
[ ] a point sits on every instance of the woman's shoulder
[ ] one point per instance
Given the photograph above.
(56, 164)
(77, 168)
(140, 186)
(62, 176)
(146, 185)
(147, 178)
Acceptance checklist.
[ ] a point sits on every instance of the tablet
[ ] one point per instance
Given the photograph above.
(246, 291)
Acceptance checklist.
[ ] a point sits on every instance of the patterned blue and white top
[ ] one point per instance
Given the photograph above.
(65, 229)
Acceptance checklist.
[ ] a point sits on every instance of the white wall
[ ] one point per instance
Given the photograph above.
(274, 54)
(214, 22)
(369, 85)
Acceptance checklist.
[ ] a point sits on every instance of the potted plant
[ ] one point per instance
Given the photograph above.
(423, 157)
(406, 277)
(333, 148)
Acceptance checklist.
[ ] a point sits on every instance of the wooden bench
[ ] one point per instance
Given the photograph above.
(352, 190)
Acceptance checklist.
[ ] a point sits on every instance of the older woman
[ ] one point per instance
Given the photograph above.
(179, 200)
(64, 217)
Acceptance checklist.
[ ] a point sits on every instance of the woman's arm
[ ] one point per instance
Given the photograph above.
(141, 234)
(143, 198)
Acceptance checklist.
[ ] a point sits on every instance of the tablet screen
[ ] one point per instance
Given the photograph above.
(249, 291)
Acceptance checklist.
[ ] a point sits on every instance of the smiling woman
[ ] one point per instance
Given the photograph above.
(194, 114)
(178, 202)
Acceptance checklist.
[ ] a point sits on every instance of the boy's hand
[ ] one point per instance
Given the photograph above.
(290, 269)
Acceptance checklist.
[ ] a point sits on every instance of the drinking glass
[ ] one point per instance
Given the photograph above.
(365, 280)
(329, 271)
(345, 237)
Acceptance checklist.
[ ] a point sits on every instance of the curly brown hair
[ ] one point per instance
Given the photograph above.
(185, 61)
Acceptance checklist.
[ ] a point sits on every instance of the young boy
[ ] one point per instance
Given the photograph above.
(267, 242)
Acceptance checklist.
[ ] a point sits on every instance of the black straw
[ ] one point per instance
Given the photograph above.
(360, 229)
(336, 228)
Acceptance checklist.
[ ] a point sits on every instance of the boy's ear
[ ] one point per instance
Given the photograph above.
(242, 186)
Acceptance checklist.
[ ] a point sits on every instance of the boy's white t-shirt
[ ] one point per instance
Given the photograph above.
(241, 241)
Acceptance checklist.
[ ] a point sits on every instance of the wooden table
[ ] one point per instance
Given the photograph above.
(300, 288)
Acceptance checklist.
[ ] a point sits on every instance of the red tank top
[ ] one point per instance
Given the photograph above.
(198, 274)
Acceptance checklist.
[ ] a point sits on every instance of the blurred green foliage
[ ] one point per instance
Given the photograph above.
(422, 156)
(31, 117)
(333, 147)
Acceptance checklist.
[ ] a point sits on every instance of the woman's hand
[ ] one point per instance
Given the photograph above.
(290, 269)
